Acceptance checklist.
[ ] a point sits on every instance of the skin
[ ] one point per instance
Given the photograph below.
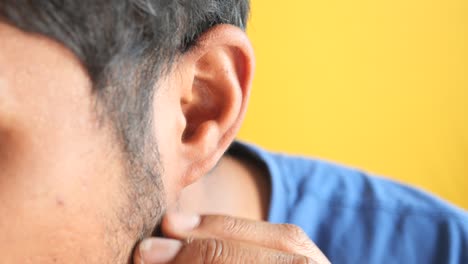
(210, 239)
(226, 223)
(48, 192)
(236, 187)
(63, 188)
(62, 181)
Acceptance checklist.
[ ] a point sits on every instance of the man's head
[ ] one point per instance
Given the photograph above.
(107, 110)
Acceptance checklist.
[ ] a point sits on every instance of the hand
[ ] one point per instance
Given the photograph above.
(213, 239)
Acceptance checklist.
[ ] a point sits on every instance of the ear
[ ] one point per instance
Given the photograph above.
(213, 89)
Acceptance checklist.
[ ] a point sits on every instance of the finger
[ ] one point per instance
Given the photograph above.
(285, 237)
(156, 250)
(210, 251)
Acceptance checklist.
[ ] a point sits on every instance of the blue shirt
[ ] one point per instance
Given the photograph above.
(357, 218)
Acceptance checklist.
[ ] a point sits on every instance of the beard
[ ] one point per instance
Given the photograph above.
(140, 215)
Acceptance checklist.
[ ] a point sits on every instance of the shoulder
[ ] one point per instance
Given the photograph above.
(353, 215)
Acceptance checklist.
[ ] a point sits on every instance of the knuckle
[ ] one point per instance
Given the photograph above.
(296, 240)
(293, 230)
(232, 225)
(213, 251)
(295, 259)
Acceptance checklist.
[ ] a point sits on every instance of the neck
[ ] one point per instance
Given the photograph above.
(238, 187)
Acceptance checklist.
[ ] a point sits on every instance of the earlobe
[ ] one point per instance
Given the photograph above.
(215, 103)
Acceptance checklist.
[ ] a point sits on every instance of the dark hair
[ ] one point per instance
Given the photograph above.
(126, 46)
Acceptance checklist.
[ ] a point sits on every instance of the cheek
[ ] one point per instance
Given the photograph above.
(56, 203)
(59, 183)
(60, 178)
(169, 127)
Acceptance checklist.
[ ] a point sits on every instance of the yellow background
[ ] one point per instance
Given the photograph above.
(379, 85)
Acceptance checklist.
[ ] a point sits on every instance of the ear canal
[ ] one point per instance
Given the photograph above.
(205, 105)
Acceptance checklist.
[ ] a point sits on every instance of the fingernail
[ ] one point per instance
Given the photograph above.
(159, 250)
(183, 221)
